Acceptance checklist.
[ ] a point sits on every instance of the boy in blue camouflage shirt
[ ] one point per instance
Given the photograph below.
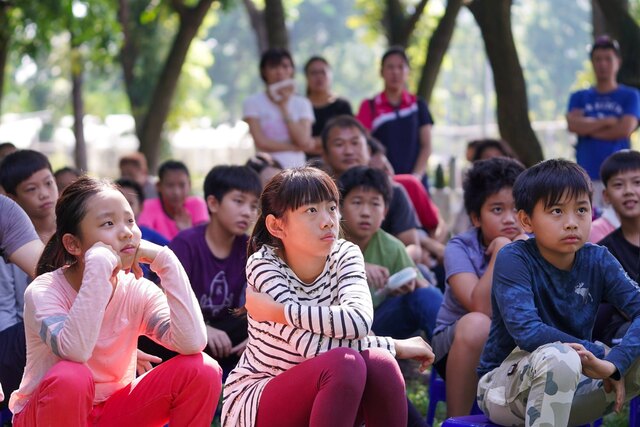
(540, 366)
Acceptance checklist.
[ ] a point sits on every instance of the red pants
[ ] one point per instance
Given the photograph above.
(338, 388)
(183, 391)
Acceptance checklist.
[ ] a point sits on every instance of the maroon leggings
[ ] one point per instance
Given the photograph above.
(342, 387)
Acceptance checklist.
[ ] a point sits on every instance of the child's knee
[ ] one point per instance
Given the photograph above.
(70, 378)
(472, 331)
(346, 365)
(560, 363)
(201, 366)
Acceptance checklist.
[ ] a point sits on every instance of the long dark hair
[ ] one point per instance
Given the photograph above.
(70, 210)
(287, 191)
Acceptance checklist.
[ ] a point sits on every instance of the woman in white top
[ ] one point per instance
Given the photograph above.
(279, 120)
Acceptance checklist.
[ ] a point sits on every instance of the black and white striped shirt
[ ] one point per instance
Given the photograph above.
(333, 311)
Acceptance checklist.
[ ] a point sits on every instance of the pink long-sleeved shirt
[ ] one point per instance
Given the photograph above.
(101, 330)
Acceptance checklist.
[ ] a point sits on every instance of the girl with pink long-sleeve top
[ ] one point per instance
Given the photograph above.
(83, 315)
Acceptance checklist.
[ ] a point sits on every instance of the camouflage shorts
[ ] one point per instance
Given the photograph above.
(546, 388)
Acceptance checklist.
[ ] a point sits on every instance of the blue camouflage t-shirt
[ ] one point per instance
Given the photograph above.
(535, 303)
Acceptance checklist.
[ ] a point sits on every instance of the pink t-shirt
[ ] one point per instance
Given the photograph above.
(154, 217)
(101, 330)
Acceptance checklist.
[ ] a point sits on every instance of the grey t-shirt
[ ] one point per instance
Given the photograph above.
(465, 253)
(16, 230)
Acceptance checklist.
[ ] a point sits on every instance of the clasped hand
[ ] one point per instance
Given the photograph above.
(596, 368)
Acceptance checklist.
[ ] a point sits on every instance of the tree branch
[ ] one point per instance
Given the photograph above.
(412, 21)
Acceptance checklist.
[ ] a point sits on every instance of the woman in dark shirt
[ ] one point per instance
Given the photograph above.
(325, 104)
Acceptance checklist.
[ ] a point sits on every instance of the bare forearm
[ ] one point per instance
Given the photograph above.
(586, 126)
(300, 135)
(271, 146)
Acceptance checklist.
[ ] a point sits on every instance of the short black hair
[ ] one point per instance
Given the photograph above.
(172, 165)
(486, 178)
(19, 166)
(619, 162)
(129, 183)
(7, 144)
(482, 145)
(67, 169)
(272, 57)
(368, 178)
(225, 178)
(375, 146)
(343, 121)
(604, 42)
(260, 161)
(549, 181)
(395, 50)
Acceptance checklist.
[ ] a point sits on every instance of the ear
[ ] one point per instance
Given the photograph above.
(72, 244)
(525, 221)
(212, 203)
(274, 225)
(605, 196)
(475, 219)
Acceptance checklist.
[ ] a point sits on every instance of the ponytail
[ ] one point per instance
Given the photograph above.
(53, 257)
(260, 237)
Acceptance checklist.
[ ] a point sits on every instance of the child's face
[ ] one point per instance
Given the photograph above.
(236, 212)
(132, 197)
(498, 217)
(38, 194)
(109, 219)
(174, 188)
(560, 229)
(623, 193)
(363, 211)
(65, 179)
(309, 231)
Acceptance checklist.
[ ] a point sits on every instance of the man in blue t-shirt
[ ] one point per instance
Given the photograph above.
(540, 365)
(603, 116)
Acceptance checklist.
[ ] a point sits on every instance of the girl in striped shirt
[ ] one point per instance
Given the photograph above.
(310, 358)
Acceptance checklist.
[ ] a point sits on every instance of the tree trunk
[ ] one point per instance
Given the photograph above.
(625, 29)
(159, 106)
(5, 42)
(128, 56)
(438, 45)
(494, 19)
(598, 21)
(80, 151)
(399, 26)
(275, 22)
(256, 18)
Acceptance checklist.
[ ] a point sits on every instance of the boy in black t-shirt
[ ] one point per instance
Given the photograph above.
(620, 174)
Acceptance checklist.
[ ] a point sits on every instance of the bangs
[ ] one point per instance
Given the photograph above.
(566, 186)
(306, 186)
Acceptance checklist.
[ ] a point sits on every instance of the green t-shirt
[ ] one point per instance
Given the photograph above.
(386, 251)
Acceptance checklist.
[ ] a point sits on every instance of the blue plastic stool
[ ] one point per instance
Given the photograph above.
(483, 421)
(469, 421)
(634, 412)
(438, 393)
(5, 416)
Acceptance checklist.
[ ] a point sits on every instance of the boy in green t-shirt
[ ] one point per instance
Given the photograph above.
(414, 306)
